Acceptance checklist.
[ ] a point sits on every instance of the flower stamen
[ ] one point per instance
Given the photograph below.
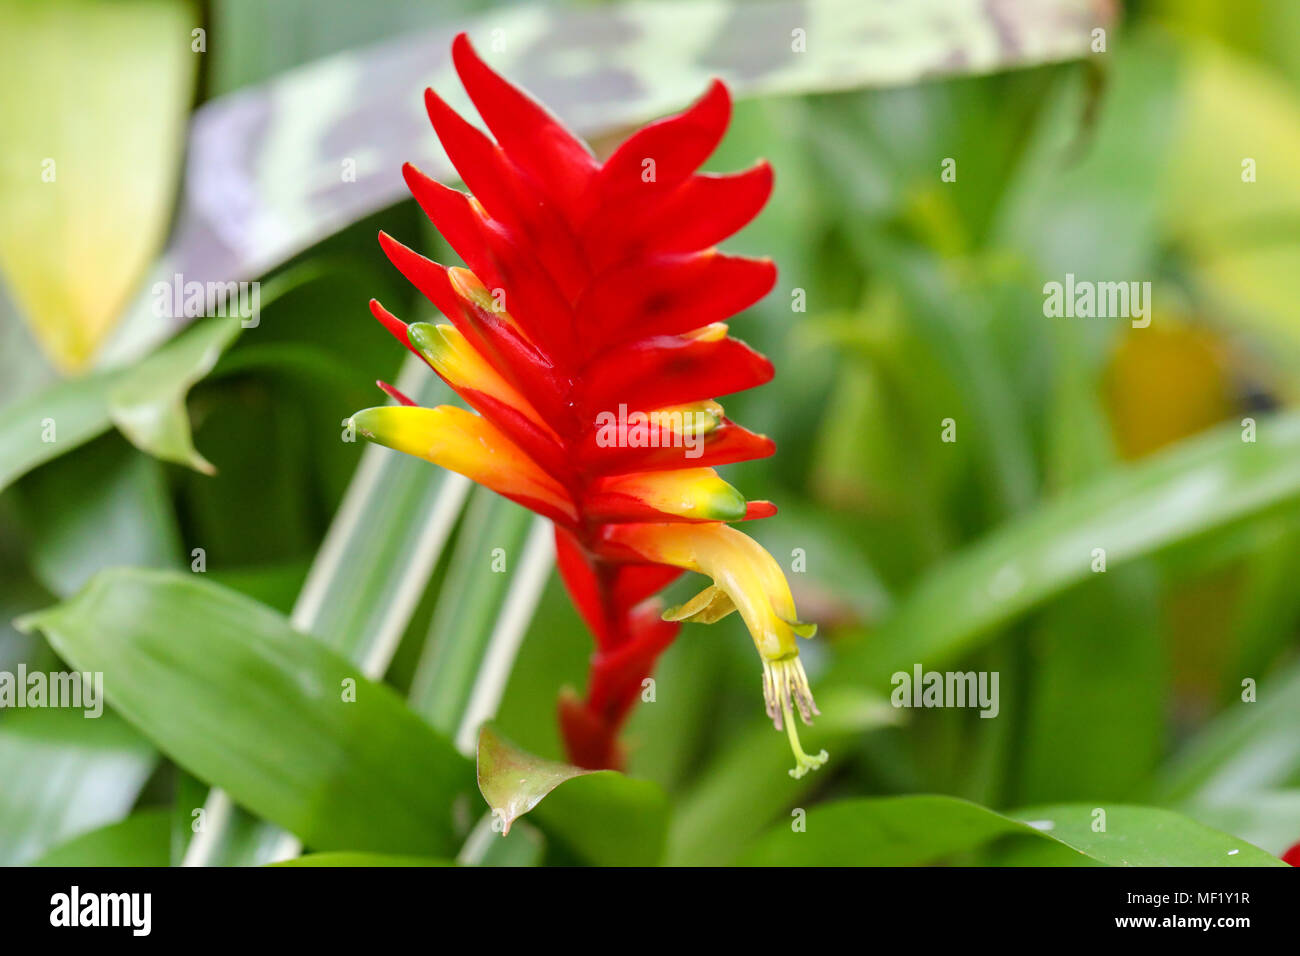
(785, 687)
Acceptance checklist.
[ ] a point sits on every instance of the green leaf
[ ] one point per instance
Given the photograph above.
(361, 860)
(142, 839)
(383, 544)
(1100, 671)
(483, 610)
(189, 792)
(1250, 746)
(144, 400)
(75, 531)
(148, 406)
(747, 786)
(467, 608)
(361, 591)
(1142, 836)
(1200, 485)
(1270, 819)
(524, 845)
(1099, 676)
(914, 830)
(602, 816)
(92, 154)
(64, 774)
(948, 318)
(227, 689)
(1269, 606)
(52, 422)
(1120, 167)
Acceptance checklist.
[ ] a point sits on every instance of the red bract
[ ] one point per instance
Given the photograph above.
(587, 334)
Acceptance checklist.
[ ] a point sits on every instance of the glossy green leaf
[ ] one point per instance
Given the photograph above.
(602, 816)
(148, 406)
(503, 559)
(64, 774)
(52, 422)
(1270, 819)
(1142, 836)
(914, 830)
(481, 569)
(746, 787)
(361, 591)
(142, 839)
(361, 860)
(1201, 485)
(514, 781)
(227, 689)
(145, 398)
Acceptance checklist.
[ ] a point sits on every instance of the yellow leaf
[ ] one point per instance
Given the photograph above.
(93, 110)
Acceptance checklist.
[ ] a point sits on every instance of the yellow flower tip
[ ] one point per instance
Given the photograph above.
(804, 629)
(746, 579)
(721, 502)
(427, 337)
(708, 607)
(688, 492)
(785, 688)
(689, 420)
(363, 422)
(471, 289)
(713, 332)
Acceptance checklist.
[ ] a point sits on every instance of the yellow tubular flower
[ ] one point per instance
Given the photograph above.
(746, 579)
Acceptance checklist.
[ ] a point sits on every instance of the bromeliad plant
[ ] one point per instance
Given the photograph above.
(588, 334)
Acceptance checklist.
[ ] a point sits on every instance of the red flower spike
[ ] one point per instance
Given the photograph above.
(588, 336)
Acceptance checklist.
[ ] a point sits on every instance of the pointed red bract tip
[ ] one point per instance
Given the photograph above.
(391, 322)
(393, 393)
(1292, 855)
(530, 135)
(676, 144)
